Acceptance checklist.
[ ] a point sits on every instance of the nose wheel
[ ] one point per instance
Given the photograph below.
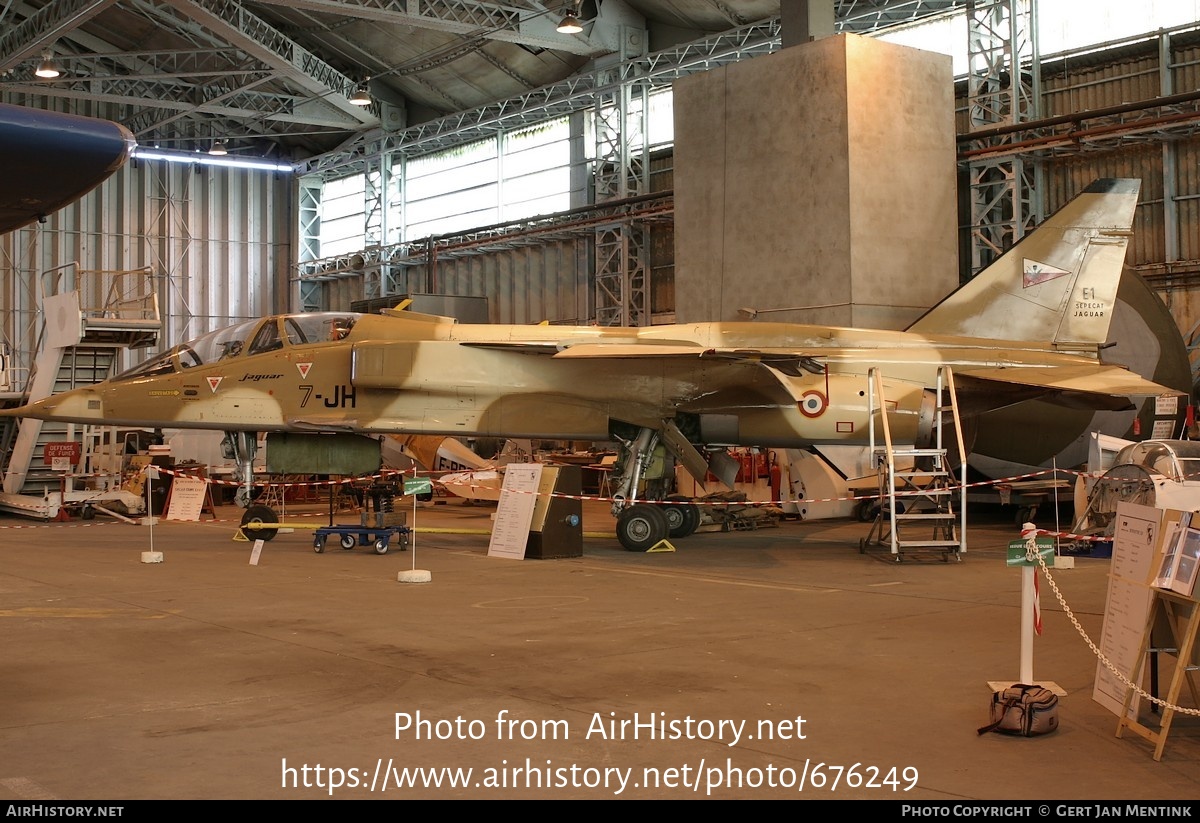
(256, 515)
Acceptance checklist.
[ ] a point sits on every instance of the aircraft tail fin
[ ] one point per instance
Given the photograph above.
(1058, 283)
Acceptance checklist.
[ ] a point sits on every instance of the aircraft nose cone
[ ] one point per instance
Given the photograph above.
(82, 406)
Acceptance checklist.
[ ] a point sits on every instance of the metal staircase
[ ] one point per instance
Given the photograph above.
(89, 317)
(918, 492)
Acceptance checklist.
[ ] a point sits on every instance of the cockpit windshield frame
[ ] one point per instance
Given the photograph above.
(248, 338)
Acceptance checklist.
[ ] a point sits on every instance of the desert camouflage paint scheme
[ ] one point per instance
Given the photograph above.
(1031, 326)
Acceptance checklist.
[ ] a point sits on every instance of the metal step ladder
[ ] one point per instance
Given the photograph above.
(922, 505)
(90, 316)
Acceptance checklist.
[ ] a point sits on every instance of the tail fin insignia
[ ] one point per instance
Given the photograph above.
(1036, 272)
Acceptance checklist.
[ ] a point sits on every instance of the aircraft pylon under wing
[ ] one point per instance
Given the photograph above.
(1032, 325)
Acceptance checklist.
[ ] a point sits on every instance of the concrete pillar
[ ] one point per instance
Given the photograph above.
(804, 20)
(821, 174)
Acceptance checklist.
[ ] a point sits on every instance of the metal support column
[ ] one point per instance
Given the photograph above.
(621, 170)
(1004, 88)
(310, 189)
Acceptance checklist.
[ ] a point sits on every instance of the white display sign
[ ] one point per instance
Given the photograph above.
(1135, 543)
(187, 498)
(1167, 404)
(514, 512)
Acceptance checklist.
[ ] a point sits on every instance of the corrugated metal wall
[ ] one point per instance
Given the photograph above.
(1165, 247)
(217, 239)
(527, 284)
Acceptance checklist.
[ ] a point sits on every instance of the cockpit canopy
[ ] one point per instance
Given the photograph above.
(244, 339)
(1177, 460)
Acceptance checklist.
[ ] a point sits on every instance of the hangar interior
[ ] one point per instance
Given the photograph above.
(493, 160)
(674, 161)
(501, 160)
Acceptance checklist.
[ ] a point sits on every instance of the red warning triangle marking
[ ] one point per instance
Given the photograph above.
(303, 369)
(213, 382)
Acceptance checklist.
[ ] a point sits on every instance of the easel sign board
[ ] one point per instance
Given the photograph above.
(1180, 557)
(187, 497)
(1137, 538)
(514, 512)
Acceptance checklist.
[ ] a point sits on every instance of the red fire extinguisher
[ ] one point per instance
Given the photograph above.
(776, 479)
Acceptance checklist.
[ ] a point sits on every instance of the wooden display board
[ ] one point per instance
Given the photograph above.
(1181, 615)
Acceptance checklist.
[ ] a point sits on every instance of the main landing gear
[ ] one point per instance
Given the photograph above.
(643, 525)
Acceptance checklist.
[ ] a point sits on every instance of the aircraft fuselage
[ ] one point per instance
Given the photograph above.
(395, 374)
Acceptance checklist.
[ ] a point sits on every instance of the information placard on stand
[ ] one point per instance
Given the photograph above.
(514, 512)
(1136, 537)
(188, 496)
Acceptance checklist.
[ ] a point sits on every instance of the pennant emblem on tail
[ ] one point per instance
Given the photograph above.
(1034, 272)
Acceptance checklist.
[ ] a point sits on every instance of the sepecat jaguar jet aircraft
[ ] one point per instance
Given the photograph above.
(1032, 325)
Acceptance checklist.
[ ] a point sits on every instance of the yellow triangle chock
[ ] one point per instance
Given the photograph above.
(663, 545)
(239, 536)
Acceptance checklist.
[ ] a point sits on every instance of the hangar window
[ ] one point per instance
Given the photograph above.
(342, 216)
(536, 171)
(509, 177)
(452, 190)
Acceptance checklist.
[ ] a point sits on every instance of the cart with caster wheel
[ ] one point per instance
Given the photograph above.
(381, 538)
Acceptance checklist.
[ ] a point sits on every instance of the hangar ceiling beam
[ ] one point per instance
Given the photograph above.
(244, 104)
(253, 35)
(492, 21)
(862, 16)
(53, 20)
(576, 93)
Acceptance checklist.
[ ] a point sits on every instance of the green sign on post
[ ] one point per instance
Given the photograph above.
(1017, 555)
(417, 485)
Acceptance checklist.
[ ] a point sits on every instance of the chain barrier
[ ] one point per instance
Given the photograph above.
(1032, 554)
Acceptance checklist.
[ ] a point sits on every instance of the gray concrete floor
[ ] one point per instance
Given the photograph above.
(207, 677)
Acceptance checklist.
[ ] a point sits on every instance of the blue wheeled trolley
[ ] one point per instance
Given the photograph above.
(380, 537)
(382, 534)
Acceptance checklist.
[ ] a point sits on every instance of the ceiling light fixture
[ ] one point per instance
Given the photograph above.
(361, 96)
(570, 23)
(218, 148)
(197, 158)
(48, 69)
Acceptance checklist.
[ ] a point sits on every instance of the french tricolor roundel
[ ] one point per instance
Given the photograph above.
(812, 404)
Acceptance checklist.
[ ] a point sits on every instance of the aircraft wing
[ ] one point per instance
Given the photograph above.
(649, 348)
(793, 364)
(627, 350)
(1086, 384)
